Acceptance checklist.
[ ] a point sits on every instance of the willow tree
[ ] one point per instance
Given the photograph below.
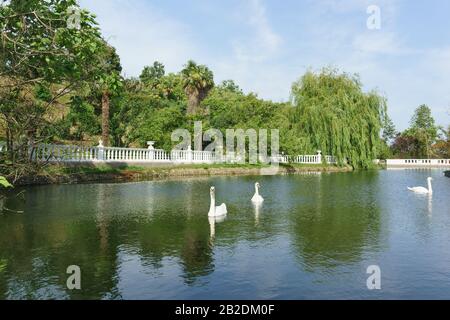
(198, 80)
(334, 115)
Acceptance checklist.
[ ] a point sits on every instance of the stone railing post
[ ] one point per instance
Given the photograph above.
(319, 156)
(151, 150)
(101, 150)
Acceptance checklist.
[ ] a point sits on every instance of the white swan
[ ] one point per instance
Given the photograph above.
(216, 211)
(422, 189)
(257, 197)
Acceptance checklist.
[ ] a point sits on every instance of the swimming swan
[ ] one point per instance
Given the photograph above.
(257, 197)
(422, 189)
(213, 210)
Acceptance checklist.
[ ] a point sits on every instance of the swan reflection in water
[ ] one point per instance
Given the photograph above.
(430, 205)
(212, 225)
(257, 207)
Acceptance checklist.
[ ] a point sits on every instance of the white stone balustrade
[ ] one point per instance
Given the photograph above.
(418, 163)
(72, 153)
(100, 153)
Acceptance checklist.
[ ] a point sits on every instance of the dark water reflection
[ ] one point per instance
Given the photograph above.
(313, 237)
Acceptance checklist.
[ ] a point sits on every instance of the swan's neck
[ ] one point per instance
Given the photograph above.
(212, 207)
(430, 190)
(256, 190)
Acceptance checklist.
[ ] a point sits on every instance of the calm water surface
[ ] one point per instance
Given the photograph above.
(313, 237)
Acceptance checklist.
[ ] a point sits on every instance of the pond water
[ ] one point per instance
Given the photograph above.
(314, 237)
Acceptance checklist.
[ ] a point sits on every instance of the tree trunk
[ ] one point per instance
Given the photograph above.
(192, 104)
(105, 118)
(193, 101)
(9, 143)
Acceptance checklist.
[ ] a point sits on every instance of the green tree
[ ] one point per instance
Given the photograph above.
(198, 80)
(81, 119)
(389, 131)
(230, 85)
(334, 115)
(38, 46)
(41, 61)
(94, 98)
(108, 82)
(422, 119)
(441, 148)
(157, 125)
(111, 86)
(152, 74)
(423, 127)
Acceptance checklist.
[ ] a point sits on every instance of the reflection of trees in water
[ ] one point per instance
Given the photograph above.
(173, 234)
(339, 219)
(183, 231)
(422, 215)
(196, 254)
(332, 219)
(48, 238)
(87, 226)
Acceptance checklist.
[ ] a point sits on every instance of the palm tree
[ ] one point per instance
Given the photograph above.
(105, 116)
(109, 83)
(198, 80)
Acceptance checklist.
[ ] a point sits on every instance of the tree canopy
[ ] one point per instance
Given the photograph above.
(421, 139)
(38, 46)
(198, 80)
(334, 115)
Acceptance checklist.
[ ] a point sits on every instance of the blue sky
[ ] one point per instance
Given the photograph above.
(265, 45)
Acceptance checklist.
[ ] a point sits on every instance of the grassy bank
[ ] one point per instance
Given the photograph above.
(57, 174)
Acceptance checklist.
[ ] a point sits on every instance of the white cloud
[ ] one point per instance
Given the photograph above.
(141, 34)
(262, 41)
(439, 60)
(378, 42)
